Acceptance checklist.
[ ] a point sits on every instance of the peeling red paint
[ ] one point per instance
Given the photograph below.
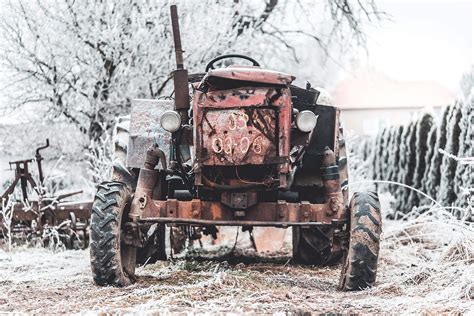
(253, 75)
(242, 126)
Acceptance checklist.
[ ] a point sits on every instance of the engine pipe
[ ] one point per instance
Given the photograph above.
(180, 75)
(332, 185)
(147, 180)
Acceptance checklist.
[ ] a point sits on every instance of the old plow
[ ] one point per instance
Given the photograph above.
(29, 212)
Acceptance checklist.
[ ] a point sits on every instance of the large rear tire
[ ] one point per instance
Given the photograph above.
(154, 247)
(359, 268)
(112, 261)
(312, 246)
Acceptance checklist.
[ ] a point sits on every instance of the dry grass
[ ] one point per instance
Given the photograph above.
(426, 266)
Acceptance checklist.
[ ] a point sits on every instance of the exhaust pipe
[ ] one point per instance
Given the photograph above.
(180, 75)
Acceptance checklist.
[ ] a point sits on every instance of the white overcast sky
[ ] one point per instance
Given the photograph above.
(426, 40)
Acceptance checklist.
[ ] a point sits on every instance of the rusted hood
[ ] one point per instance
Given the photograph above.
(252, 74)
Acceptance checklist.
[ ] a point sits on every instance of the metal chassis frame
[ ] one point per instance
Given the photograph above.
(281, 213)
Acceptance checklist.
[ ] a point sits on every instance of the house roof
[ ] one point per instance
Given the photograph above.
(367, 89)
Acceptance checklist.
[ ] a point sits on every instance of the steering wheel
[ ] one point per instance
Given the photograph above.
(210, 65)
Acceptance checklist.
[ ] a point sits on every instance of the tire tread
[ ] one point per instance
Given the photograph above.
(107, 211)
(360, 265)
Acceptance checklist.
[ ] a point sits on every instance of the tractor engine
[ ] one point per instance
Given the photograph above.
(241, 135)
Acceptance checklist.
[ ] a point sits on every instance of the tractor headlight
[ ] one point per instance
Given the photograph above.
(170, 121)
(306, 121)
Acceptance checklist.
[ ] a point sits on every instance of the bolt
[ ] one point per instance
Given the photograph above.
(334, 205)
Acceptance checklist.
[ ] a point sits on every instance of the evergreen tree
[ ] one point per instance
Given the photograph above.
(387, 152)
(434, 175)
(410, 167)
(447, 196)
(402, 164)
(464, 177)
(395, 156)
(431, 143)
(380, 153)
(367, 148)
(423, 128)
(375, 156)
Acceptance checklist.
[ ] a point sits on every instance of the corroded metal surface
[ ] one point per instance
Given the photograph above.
(280, 213)
(60, 211)
(145, 130)
(32, 216)
(236, 137)
(243, 126)
(253, 75)
(262, 214)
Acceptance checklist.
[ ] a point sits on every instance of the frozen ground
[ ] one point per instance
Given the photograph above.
(426, 266)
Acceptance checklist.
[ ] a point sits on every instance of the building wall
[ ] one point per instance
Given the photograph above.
(369, 121)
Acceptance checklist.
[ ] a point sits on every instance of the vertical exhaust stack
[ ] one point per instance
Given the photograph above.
(180, 75)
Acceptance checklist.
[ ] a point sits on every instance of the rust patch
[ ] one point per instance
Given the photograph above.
(242, 126)
(235, 137)
(252, 74)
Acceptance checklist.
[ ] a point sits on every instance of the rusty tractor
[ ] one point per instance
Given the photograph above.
(51, 218)
(247, 149)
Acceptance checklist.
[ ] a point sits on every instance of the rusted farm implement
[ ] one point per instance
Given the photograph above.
(50, 218)
(249, 149)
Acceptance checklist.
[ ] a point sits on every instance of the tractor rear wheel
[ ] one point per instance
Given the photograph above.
(360, 263)
(312, 245)
(112, 261)
(154, 248)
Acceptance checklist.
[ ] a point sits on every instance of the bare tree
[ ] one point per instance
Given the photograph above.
(84, 61)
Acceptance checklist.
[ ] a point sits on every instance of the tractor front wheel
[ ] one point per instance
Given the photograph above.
(360, 263)
(112, 261)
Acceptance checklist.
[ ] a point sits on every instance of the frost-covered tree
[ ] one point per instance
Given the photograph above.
(388, 137)
(464, 178)
(403, 165)
(83, 61)
(434, 175)
(423, 127)
(395, 154)
(366, 148)
(431, 143)
(467, 83)
(447, 195)
(380, 152)
(375, 156)
(409, 179)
